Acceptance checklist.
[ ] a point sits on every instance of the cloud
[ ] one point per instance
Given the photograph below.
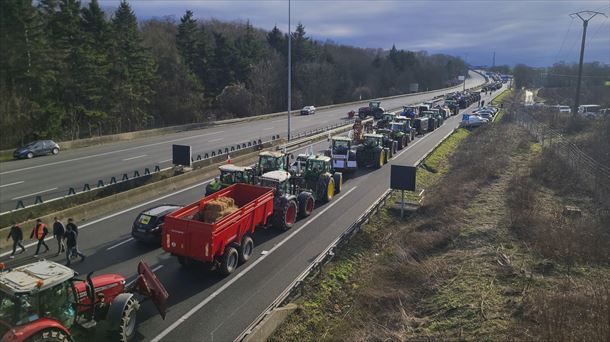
(536, 32)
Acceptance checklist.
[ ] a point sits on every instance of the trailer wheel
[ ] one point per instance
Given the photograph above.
(245, 248)
(230, 260)
(50, 335)
(185, 262)
(306, 204)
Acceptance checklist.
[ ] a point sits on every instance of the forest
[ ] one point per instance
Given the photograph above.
(71, 70)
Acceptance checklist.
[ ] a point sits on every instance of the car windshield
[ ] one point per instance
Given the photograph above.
(30, 145)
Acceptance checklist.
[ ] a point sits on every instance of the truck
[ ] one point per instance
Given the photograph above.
(46, 301)
(372, 152)
(230, 174)
(374, 109)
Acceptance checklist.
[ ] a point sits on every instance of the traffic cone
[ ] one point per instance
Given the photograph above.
(228, 159)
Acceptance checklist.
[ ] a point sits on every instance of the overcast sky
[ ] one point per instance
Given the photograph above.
(537, 33)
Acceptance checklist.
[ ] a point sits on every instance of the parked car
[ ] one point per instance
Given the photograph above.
(147, 226)
(36, 148)
(472, 120)
(308, 110)
(486, 115)
(589, 111)
(564, 109)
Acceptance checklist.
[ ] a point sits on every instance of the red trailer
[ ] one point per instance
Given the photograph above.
(226, 242)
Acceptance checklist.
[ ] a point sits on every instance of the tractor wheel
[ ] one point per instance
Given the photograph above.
(359, 161)
(285, 215)
(185, 262)
(50, 335)
(326, 188)
(245, 248)
(380, 159)
(394, 148)
(306, 204)
(127, 324)
(338, 178)
(390, 152)
(401, 143)
(230, 260)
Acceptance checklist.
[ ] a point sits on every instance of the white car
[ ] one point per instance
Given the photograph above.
(589, 111)
(564, 109)
(308, 110)
(472, 120)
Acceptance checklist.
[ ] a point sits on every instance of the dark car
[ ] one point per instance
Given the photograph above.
(147, 226)
(36, 148)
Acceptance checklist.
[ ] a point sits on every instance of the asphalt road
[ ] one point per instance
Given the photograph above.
(205, 306)
(52, 176)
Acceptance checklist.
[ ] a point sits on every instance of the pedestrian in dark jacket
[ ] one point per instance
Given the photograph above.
(72, 225)
(72, 245)
(17, 235)
(58, 232)
(40, 231)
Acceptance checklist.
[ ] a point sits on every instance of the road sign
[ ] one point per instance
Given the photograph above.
(402, 177)
(461, 78)
(181, 155)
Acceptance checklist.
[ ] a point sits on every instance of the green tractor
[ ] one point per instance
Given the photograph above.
(290, 201)
(230, 174)
(388, 142)
(320, 177)
(372, 152)
(271, 161)
(386, 119)
(408, 127)
(398, 132)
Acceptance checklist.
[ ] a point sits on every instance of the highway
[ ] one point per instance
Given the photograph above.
(52, 176)
(205, 306)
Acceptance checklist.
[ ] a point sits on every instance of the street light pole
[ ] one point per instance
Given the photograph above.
(289, 71)
(585, 23)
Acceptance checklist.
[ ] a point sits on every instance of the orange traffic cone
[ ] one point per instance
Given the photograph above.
(228, 159)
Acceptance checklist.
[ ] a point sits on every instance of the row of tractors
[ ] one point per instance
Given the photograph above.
(462, 99)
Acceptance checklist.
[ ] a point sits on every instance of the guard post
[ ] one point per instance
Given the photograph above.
(402, 178)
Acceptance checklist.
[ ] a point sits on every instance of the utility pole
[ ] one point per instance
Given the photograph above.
(585, 23)
(289, 71)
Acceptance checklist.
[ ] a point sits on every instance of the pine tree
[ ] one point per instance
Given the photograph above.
(186, 39)
(132, 72)
(223, 64)
(276, 40)
(248, 53)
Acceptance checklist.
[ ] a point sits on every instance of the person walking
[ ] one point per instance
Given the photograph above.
(17, 235)
(72, 245)
(72, 225)
(40, 231)
(58, 232)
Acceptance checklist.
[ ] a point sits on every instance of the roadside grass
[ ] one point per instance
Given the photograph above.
(6, 156)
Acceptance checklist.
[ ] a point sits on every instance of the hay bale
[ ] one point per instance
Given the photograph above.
(218, 208)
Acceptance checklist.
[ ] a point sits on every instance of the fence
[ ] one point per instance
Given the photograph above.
(594, 175)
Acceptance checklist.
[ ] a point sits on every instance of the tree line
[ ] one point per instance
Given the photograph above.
(69, 70)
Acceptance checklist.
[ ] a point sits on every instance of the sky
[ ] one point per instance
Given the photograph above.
(536, 33)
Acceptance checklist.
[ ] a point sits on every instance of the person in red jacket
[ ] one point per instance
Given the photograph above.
(40, 231)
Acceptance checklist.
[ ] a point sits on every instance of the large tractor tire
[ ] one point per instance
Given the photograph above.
(338, 178)
(306, 204)
(391, 151)
(379, 158)
(285, 215)
(394, 148)
(326, 188)
(359, 159)
(50, 335)
(229, 261)
(401, 142)
(125, 328)
(245, 248)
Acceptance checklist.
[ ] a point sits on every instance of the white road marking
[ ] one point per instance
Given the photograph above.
(2, 186)
(280, 120)
(144, 155)
(36, 193)
(215, 140)
(109, 152)
(119, 244)
(268, 128)
(85, 225)
(164, 161)
(245, 271)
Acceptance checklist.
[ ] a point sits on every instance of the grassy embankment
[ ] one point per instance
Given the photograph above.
(491, 255)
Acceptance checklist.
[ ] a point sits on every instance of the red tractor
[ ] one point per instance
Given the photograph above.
(44, 301)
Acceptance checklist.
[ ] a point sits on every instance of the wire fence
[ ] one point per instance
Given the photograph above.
(593, 174)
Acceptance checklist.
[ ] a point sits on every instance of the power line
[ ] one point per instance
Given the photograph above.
(564, 39)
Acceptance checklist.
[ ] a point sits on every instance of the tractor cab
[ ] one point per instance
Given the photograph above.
(317, 165)
(299, 163)
(373, 140)
(386, 119)
(271, 161)
(375, 109)
(410, 111)
(279, 180)
(230, 174)
(341, 145)
(399, 126)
